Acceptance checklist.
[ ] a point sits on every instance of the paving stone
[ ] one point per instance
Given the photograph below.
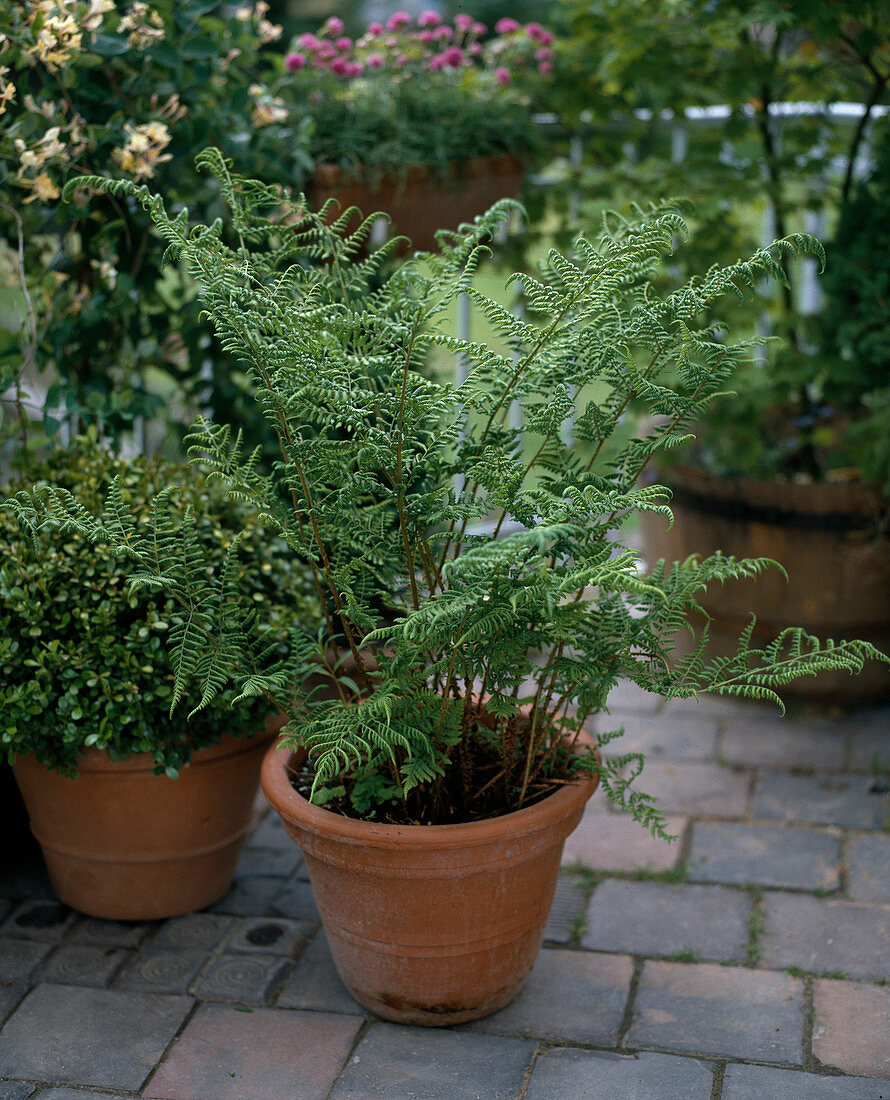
(567, 910)
(625, 695)
(764, 855)
(250, 897)
(707, 790)
(296, 901)
(40, 919)
(160, 971)
(759, 1082)
(70, 1035)
(826, 934)
(661, 736)
(270, 834)
(224, 1054)
(10, 995)
(17, 1090)
(778, 742)
(615, 842)
(268, 862)
(719, 1010)
(657, 918)
(271, 936)
(597, 1075)
(315, 983)
(570, 996)
(868, 867)
(870, 739)
(430, 1064)
(82, 964)
(247, 979)
(834, 799)
(195, 932)
(721, 706)
(111, 933)
(75, 1094)
(852, 1027)
(19, 958)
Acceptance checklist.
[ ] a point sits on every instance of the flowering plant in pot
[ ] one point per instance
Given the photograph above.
(417, 112)
(452, 762)
(87, 674)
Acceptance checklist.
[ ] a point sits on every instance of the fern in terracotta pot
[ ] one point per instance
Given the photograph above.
(515, 604)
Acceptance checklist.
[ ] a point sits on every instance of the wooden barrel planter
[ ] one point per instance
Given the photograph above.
(829, 537)
(419, 201)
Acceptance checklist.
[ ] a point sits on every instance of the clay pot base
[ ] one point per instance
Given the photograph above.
(431, 925)
(123, 844)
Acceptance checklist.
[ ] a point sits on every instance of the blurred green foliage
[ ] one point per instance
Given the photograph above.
(628, 73)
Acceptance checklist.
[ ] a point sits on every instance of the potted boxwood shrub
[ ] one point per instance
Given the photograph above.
(428, 120)
(139, 813)
(432, 795)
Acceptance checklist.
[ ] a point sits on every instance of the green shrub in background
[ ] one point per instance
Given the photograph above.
(628, 62)
(127, 90)
(85, 663)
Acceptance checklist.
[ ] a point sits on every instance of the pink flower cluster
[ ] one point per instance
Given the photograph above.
(402, 45)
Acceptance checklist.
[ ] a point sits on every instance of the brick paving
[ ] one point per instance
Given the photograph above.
(750, 958)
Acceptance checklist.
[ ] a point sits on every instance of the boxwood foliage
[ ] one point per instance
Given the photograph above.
(85, 661)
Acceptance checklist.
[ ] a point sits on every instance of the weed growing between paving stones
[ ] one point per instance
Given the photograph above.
(756, 928)
(686, 955)
(578, 926)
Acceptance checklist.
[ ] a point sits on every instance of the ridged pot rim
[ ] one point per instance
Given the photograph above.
(95, 761)
(293, 807)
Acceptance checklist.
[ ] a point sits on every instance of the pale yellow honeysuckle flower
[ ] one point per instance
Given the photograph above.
(59, 36)
(7, 89)
(269, 32)
(47, 109)
(106, 270)
(145, 26)
(267, 111)
(42, 187)
(143, 149)
(92, 21)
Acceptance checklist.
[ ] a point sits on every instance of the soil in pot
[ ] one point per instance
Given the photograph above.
(827, 536)
(431, 924)
(124, 844)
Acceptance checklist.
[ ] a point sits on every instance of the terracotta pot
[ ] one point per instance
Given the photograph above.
(825, 535)
(123, 844)
(431, 924)
(420, 202)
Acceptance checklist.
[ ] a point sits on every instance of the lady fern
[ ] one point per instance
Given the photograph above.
(459, 556)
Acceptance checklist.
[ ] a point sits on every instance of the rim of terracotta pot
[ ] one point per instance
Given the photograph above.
(289, 803)
(98, 760)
